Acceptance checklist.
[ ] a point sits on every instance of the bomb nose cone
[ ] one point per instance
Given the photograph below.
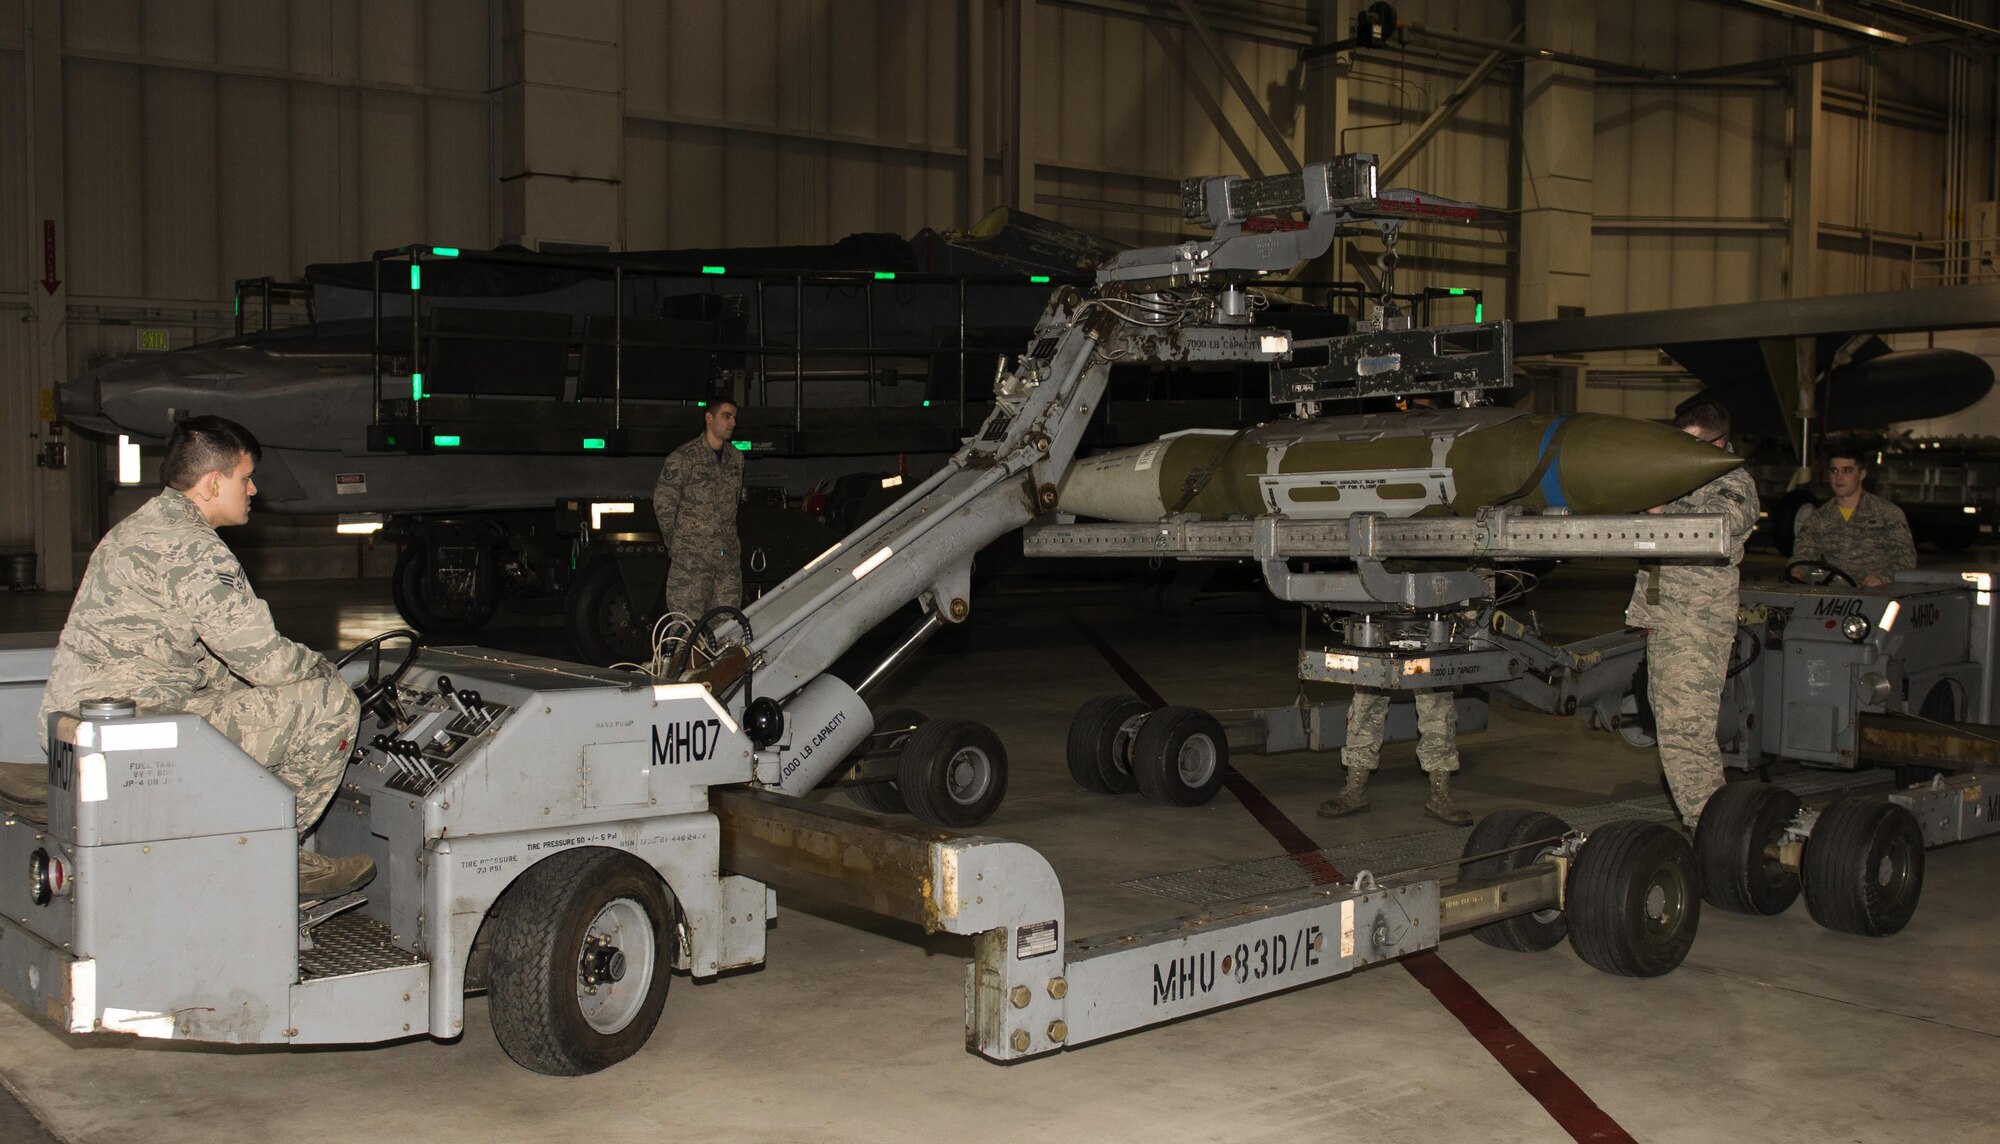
(1607, 464)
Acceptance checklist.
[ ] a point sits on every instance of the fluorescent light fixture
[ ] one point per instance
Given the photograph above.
(359, 523)
(601, 509)
(894, 482)
(872, 563)
(128, 461)
(1890, 613)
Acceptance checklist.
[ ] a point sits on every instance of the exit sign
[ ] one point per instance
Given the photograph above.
(153, 339)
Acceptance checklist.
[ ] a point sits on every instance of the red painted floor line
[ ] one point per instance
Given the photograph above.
(1573, 1110)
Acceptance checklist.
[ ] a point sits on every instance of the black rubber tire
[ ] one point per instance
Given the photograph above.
(536, 942)
(1179, 756)
(1504, 830)
(1614, 923)
(1864, 867)
(953, 773)
(1100, 753)
(1738, 823)
(409, 587)
(886, 797)
(600, 618)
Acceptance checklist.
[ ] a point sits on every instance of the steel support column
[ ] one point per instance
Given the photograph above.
(1558, 129)
(48, 297)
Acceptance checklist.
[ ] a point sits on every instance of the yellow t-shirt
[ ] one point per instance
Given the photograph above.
(1847, 514)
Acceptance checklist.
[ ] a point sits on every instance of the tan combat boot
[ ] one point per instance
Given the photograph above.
(321, 877)
(1353, 799)
(1441, 806)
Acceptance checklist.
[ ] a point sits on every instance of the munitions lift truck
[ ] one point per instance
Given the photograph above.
(1830, 676)
(569, 836)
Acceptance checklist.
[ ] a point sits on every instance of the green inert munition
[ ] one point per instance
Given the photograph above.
(1423, 462)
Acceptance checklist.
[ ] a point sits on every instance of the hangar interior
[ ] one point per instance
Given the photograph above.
(1810, 184)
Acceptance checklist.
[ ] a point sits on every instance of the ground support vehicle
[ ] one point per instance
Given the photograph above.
(568, 835)
(591, 882)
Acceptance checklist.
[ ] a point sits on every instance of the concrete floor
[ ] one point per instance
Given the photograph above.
(1773, 1030)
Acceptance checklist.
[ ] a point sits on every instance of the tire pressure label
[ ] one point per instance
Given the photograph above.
(1271, 956)
(689, 741)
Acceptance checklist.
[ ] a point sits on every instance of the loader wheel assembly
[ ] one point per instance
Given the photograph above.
(1736, 843)
(953, 772)
(883, 756)
(1864, 867)
(1100, 743)
(580, 961)
(1513, 833)
(1634, 899)
(1179, 756)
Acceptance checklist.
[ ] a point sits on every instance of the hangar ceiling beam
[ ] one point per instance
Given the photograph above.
(1176, 54)
(1442, 114)
(1239, 85)
(1881, 37)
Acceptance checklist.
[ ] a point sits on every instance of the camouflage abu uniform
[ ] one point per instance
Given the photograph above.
(695, 500)
(1689, 610)
(1437, 730)
(1875, 541)
(166, 618)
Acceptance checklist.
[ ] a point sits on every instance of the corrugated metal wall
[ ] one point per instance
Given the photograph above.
(210, 140)
(207, 140)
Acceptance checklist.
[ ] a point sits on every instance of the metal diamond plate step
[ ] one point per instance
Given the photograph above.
(348, 944)
(1211, 885)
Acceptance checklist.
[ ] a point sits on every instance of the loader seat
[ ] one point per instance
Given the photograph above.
(24, 791)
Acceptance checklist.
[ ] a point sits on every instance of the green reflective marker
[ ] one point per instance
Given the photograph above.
(1039, 279)
(1455, 291)
(885, 276)
(715, 270)
(391, 440)
(1479, 311)
(927, 405)
(445, 442)
(445, 251)
(416, 387)
(593, 442)
(416, 276)
(741, 446)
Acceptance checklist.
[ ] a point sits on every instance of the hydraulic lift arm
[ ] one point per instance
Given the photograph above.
(1164, 304)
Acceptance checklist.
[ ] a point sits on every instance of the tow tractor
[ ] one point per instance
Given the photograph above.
(569, 837)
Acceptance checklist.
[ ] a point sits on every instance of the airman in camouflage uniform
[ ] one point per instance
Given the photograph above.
(695, 500)
(1689, 610)
(1857, 532)
(1437, 752)
(165, 617)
